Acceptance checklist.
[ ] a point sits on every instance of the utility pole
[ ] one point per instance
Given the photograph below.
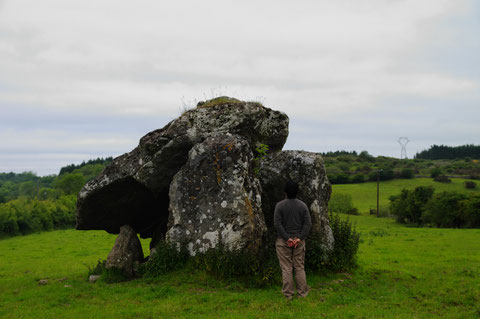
(378, 191)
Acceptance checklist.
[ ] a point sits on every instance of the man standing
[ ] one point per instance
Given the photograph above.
(292, 222)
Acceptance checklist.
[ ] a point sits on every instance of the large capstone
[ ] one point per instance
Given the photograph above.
(215, 198)
(308, 170)
(134, 189)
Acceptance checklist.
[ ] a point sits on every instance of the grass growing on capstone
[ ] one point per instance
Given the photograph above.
(223, 100)
(218, 101)
(403, 273)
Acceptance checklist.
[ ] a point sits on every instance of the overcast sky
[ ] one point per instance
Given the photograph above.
(86, 79)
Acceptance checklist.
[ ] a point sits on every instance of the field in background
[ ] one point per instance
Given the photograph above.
(364, 195)
(403, 273)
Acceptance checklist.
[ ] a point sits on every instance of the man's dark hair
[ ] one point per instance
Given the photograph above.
(291, 188)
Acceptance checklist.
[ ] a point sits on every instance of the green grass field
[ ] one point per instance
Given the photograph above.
(403, 272)
(364, 195)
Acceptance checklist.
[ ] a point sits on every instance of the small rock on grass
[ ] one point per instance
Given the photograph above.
(93, 278)
(42, 282)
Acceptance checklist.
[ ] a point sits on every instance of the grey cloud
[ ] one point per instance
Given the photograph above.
(351, 75)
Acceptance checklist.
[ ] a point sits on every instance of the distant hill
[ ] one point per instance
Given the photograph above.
(70, 168)
(349, 168)
(30, 203)
(69, 181)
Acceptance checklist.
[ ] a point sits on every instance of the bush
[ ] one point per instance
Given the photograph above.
(436, 171)
(342, 203)
(407, 173)
(344, 254)
(366, 157)
(444, 210)
(165, 259)
(409, 206)
(316, 256)
(340, 178)
(442, 179)
(24, 216)
(358, 178)
(470, 185)
(385, 175)
(447, 209)
(471, 211)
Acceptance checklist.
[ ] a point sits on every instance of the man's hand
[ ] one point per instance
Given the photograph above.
(296, 241)
(293, 242)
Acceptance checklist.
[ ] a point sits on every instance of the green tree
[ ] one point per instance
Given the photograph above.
(89, 171)
(445, 210)
(409, 206)
(471, 211)
(45, 193)
(341, 203)
(3, 195)
(9, 190)
(366, 157)
(28, 189)
(70, 183)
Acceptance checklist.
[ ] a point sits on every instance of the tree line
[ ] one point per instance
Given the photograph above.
(30, 203)
(450, 152)
(70, 168)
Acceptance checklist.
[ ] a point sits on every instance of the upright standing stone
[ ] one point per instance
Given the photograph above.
(308, 170)
(215, 198)
(126, 251)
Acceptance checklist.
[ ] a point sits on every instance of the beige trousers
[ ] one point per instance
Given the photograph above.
(291, 259)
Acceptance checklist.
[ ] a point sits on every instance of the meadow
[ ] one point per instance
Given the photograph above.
(403, 272)
(364, 195)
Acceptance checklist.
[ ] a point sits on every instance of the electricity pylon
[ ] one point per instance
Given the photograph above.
(403, 141)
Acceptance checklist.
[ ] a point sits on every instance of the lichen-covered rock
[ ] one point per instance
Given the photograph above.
(134, 188)
(126, 252)
(215, 199)
(308, 170)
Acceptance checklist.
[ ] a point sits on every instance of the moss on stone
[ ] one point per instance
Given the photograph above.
(219, 101)
(223, 100)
